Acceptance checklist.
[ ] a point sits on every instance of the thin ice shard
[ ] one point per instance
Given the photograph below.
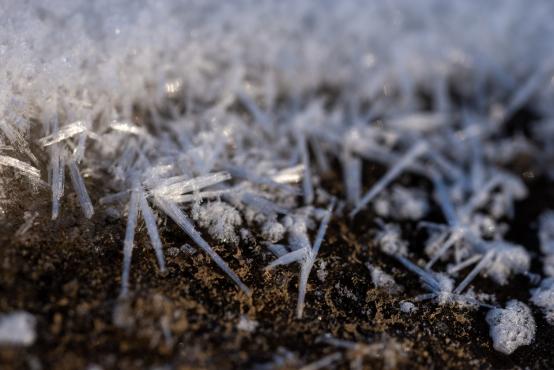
(310, 260)
(427, 277)
(175, 187)
(25, 168)
(416, 151)
(129, 240)
(454, 237)
(462, 265)
(58, 178)
(177, 215)
(79, 151)
(526, 91)
(289, 175)
(303, 284)
(260, 117)
(242, 173)
(152, 229)
(288, 258)
(476, 270)
(307, 182)
(80, 189)
(64, 133)
(352, 168)
(322, 229)
(128, 128)
(198, 196)
(443, 199)
(419, 122)
(320, 156)
(277, 249)
(29, 218)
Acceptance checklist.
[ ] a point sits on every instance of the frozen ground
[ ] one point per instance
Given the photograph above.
(276, 184)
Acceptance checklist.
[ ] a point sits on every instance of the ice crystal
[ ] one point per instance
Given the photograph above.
(303, 252)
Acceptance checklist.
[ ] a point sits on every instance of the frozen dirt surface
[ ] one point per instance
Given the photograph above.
(67, 274)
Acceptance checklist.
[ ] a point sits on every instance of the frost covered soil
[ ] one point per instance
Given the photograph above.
(194, 317)
(276, 184)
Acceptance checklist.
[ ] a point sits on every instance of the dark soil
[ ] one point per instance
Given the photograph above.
(67, 273)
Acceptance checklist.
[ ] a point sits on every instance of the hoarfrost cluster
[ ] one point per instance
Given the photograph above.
(511, 327)
(223, 118)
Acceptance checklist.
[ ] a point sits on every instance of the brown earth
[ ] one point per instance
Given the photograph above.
(67, 274)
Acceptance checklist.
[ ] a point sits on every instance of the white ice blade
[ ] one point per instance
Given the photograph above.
(64, 133)
(129, 240)
(80, 189)
(152, 229)
(195, 184)
(310, 260)
(242, 173)
(79, 151)
(427, 277)
(443, 199)
(128, 128)
(352, 172)
(320, 156)
(454, 237)
(289, 175)
(526, 90)
(288, 258)
(198, 196)
(480, 266)
(277, 249)
(462, 265)
(418, 122)
(263, 205)
(322, 229)
(307, 183)
(410, 157)
(302, 286)
(260, 117)
(25, 168)
(177, 215)
(58, 178)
